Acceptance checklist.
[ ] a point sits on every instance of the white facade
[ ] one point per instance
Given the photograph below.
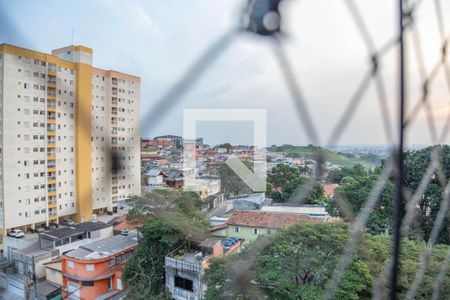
(26, 139)
(115, 129)
(38, 164)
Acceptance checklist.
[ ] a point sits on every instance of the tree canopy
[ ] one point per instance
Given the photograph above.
(298, 263)
(175, 219)
(290, 181)
(357, 183)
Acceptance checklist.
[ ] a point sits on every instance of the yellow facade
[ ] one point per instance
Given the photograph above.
(83, 158)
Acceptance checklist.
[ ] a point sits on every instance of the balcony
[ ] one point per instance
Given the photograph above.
(51, 81)
(114, 111)
(51, 69)
(51, 117)
(52, 201)
(52, 214)
(51, 93)
(114, 91)
(51, 180)
(51, 155)
(51, 107)
(114, 81)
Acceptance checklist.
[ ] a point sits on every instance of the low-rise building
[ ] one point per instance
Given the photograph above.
(248, 225)
(155, 177)
(94, 271)
(185, 267)
(30, 261)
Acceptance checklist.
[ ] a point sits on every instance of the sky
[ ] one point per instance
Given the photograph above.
(160, 40)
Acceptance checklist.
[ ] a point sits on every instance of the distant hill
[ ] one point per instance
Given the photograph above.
(343, 159)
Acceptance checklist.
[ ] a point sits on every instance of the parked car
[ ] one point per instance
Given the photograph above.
(45, 226)
(66, 222)
(17, 233)
(38, 229)
(53, 225)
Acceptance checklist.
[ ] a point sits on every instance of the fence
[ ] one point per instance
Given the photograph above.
(263, 18)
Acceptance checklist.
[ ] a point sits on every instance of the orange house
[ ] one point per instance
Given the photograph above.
(94, 271)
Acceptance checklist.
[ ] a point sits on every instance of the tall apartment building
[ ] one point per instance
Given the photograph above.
(61, 122)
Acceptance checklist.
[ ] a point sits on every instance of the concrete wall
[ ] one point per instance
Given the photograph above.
(247, 233)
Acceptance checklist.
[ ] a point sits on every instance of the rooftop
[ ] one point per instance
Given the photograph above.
(265, 219)
(311, 210)
(76, 229)
(257, 197)
(104, 248)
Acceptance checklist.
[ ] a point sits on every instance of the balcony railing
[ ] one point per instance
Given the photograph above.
(50, 190)
(52, 68)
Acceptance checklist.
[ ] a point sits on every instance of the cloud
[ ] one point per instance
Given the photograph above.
(141, 18)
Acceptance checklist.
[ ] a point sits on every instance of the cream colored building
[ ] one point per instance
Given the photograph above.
(60, 121)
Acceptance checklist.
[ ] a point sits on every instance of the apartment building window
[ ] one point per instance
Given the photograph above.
(236, 229)
(70, 264)
(90, 267)
(36, 212)
(255, 231)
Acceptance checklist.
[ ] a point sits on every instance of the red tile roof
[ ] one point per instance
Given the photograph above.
(265, 219)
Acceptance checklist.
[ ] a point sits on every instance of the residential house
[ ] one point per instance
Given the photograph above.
(248, 225)
(155, 177)
(30, 261)
(94, 271)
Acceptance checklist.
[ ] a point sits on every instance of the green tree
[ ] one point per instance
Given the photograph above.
(175, 219)
(269, 188)
(336, 176)
(144, 273)
(355, 190)
(416, 163)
